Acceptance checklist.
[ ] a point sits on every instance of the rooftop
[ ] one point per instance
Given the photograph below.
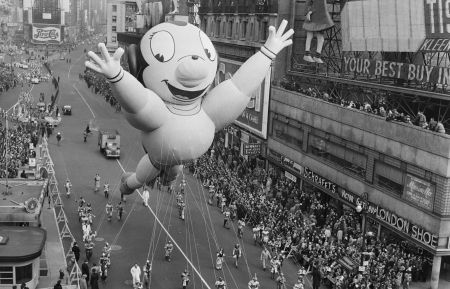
(20, 191)
(23, 243)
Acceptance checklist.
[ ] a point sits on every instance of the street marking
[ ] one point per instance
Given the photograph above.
(170, 236)
(87, 104)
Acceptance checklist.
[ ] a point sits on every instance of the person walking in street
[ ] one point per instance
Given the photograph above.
(106, 190)
(97, 182)
(147, 272)
(135, 274)
(185, 278)
(119, 211)
(68, 186)
(76, 251)
(237, 253)
(85, 269)
(94, 279)
(57, 285)
(265, 258)
(83, 283)
(145, 196)
(316, 277)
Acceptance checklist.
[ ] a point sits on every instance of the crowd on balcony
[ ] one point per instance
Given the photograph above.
(381, 109)
(15, 153)
(303, 225)
(99, 85)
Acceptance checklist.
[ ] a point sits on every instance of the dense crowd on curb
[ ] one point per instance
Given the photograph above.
(19, 138)
(303, 225)
(381, 109)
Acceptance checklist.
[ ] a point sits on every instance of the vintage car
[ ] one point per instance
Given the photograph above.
(67, 110)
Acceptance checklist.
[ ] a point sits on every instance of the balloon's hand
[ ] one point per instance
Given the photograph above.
(108, 66)
(277, 39)
(308, 16)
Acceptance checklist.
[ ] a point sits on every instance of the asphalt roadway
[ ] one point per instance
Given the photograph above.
(138, 236)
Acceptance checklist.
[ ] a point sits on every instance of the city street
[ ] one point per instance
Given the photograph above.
(138, 237)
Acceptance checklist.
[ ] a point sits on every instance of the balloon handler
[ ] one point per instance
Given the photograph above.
(166, 94)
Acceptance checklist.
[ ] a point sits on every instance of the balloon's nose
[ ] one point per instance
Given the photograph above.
(191, 71)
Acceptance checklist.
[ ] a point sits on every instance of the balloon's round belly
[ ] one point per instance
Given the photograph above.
(179, 140)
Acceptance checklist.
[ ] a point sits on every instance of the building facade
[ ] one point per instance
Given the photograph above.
(400, 172)
(121, 17)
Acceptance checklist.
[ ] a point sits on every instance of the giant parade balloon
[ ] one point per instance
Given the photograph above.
(167, 94)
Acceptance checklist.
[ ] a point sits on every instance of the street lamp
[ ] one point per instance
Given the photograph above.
(361, 208)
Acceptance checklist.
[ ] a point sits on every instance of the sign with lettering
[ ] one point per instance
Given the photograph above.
(255, 116)
(42, 33)
(399, 70)
(437, 18)
(251, 149)
(290, 176)
(319, 180)
(393, 220)
(419, 192)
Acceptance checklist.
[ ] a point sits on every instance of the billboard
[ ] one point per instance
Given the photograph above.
(43, 33)
(255, 116)
(396, 25)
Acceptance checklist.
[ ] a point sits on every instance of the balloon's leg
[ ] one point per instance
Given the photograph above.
(145, 172)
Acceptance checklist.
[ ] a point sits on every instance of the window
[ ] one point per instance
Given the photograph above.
(229, 30)
(114, 28)
(114, 19)
(24, 273)
(6, 275)
(243, 29)
(352, 161)
(114, 8)
(113, 39)
(287, 134)
(389, 177)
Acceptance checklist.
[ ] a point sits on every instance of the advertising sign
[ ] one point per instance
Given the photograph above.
(419, 192)
(400, 70)
(42, 33)
(396, 25)
(393, 220)
(255, 116)
(251, 149)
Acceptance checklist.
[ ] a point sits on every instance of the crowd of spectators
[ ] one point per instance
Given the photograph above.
(17, 150)
(101, 86)
(381, 108)
(305, 226)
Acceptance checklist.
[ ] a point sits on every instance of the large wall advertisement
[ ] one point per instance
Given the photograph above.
(255, 116)
(42, 34)
(396, 25)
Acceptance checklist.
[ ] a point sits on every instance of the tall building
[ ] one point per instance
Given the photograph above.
(397, 173)
(121, 17)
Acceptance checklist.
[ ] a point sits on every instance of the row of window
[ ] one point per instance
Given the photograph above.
(230, 29)
(386, 176)
(19, 274)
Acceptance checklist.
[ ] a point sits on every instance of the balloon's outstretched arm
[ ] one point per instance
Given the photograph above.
(144, 109)
(228, 100)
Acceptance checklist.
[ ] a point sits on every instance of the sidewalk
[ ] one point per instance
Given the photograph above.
(54, 251)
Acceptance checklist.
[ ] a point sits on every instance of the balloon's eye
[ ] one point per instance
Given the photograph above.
(208, 47)
(162, 46)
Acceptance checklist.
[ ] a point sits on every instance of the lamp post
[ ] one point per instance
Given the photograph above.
(361, 208)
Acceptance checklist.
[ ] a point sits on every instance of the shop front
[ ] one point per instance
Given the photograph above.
(380, 223)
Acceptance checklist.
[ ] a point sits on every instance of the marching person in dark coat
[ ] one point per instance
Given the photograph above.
(85, 270)
(94, 279)
(316, 277)
(76, 251)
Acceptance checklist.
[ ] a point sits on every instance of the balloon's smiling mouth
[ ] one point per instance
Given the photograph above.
(184, 93)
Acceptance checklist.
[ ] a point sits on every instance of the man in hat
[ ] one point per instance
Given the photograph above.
(185, 278)
(254, 283)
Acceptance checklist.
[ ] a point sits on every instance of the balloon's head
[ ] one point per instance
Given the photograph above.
(181, 59)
